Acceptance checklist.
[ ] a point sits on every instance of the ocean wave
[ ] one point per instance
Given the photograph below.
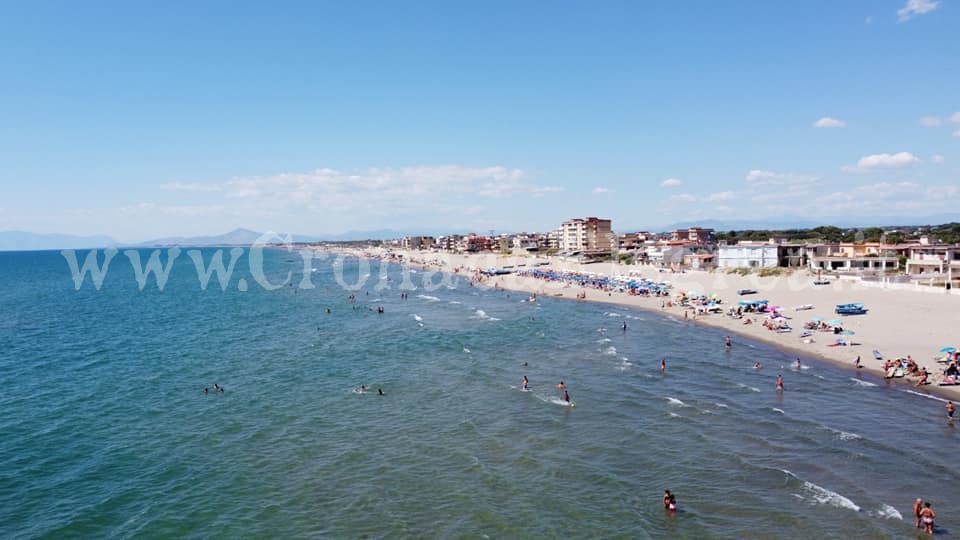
(482, 315)
(774, 409)
(455, 302)
(416, 317)
(921, 394)
(612, 351)
(722, 405)
(843, 435)
(675, 401)
(862, 383)
(751, 388)
(428, 297)
(466, 350)
(888, 512)
(604, 340)
(821, 495)
(624, 364)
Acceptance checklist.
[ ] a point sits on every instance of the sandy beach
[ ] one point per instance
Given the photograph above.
(899, 322)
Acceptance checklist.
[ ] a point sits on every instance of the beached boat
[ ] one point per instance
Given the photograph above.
(742, 292)
(850, 309)
(804, 307)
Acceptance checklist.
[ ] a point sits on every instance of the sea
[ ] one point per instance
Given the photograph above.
(107, 431)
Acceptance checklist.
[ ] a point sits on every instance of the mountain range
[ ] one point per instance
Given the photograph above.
(25, 241)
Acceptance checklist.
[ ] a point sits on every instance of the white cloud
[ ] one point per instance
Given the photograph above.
(683, 197)
(758, 177)
(883, 161)
(600, 190)
(936, 121)
(916, 7)
(827, 122)
(721, 196)
(937, 158)
(671, 182)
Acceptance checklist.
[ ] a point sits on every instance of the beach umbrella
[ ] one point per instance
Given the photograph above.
(835, 322)
(816, 319)
(948, 349)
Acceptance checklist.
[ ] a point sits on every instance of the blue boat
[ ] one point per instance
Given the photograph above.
(850, 309)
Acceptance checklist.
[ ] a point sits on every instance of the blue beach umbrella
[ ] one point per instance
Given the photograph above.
(948, 349)
(835, 322)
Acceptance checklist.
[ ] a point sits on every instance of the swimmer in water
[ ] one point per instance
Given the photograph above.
(525, 382)
(758, 365)
(780, 382)
(796, 364)
(561, 387)
(624, 326)
(666, 499)
(566, 396)
(728, 342)
(663, 365)
(380, 392)
(950, 409)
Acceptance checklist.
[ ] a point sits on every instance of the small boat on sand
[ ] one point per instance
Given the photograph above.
(850, 309)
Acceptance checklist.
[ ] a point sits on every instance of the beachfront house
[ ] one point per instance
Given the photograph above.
(417, 242)
(932, 260)
(848, 257)
(748, 255)
(585, 235)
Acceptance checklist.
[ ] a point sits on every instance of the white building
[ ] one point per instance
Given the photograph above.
(747, 255)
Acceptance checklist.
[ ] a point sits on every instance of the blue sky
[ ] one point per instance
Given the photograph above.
(142, 120)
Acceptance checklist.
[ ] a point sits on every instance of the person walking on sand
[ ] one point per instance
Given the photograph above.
(857, 363)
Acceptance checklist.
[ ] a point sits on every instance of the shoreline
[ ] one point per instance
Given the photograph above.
(467, 266)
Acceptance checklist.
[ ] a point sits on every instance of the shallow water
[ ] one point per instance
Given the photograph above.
(107, 431)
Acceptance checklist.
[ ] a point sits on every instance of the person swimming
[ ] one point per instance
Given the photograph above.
(380, 392)
(758, 365)
(561, 387)
(796, 365)
(566, 396)
(663, 365)
(525, 382)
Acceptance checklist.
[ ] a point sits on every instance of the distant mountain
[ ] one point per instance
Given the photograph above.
(806, 223)
(236, 237)
(388, 234)
(27, 241)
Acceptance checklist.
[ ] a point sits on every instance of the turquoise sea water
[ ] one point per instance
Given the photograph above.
(105, 430)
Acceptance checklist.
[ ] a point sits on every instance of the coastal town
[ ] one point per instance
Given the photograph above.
(862, 305)
(926, 259)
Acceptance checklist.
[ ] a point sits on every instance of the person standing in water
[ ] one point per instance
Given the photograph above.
(950, 409)
(561, 387)
(728, 343)
(663, 365)
(796, 365)
(566, 396)
(624, 326)
(927, 516)
(917, 506)
(780, 382)
(525, 382)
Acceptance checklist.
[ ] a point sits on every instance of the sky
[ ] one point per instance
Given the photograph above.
(142, 120)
